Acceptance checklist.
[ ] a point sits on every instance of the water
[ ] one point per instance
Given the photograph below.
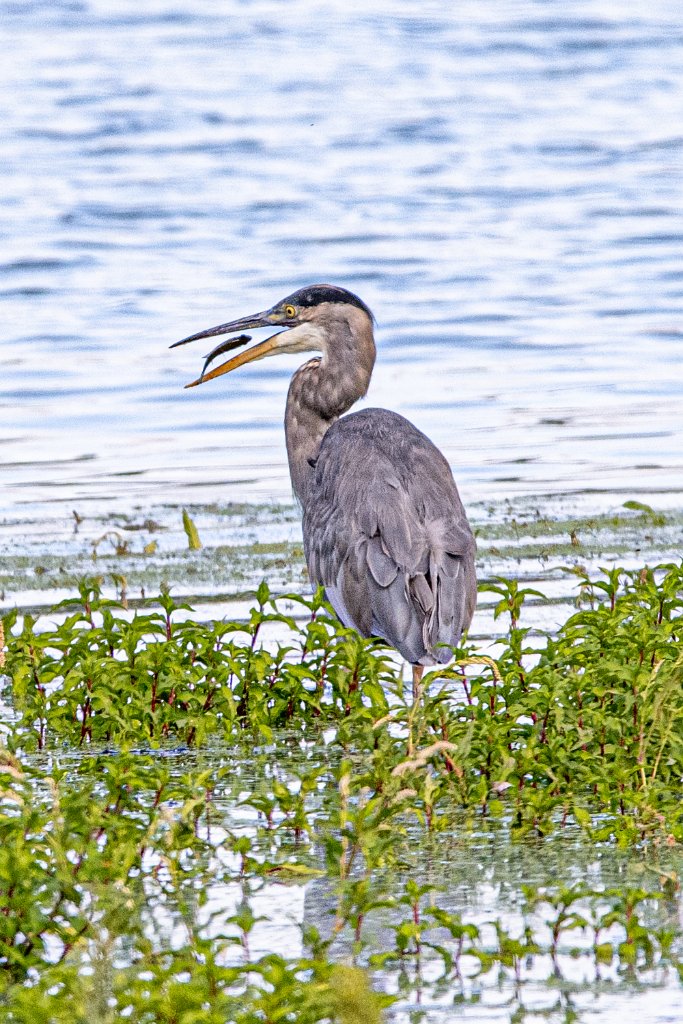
(501, 183)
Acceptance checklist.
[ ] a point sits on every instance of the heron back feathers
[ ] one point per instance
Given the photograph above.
(387, 536)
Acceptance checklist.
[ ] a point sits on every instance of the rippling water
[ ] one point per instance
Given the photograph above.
(502, 183)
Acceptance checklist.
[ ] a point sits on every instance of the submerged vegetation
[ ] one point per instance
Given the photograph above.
(169, 784)
(211, 553)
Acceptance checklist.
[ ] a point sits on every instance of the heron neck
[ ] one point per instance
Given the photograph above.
(321, 391)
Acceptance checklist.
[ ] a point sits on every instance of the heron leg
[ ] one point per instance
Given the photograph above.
(418, 672)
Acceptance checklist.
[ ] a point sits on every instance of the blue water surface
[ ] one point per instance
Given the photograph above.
(502, 183)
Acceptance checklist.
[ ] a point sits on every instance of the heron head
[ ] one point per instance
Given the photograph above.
(310, 319)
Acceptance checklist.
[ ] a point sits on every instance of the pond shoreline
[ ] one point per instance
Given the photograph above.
(136, 554)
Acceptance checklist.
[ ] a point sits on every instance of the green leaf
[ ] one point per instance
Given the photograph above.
(639, 506)
(193, 541)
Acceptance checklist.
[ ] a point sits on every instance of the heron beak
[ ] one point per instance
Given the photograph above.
(245, 323)
(259, 351)
(295, 337)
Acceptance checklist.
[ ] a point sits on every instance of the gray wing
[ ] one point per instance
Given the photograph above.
(387, 536)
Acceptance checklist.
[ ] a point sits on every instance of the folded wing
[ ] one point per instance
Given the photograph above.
(386, 534)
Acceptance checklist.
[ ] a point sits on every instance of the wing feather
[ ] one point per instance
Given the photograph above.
(382, 566)
(386, 534)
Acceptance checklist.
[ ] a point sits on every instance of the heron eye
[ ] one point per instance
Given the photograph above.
(290, 312)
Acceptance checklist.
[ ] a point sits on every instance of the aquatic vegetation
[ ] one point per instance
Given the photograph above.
(163, 779)
(585, 723)
(242, 544)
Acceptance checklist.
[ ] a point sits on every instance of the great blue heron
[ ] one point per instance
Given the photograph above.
(385, 532)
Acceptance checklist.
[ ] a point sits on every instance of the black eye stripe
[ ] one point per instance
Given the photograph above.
(316, 294)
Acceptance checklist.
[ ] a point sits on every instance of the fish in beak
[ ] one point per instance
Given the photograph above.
(295, 336)
(259, 351)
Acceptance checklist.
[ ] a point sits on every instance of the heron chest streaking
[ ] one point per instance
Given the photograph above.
(385, 532)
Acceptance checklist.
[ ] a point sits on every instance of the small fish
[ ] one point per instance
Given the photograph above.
(225, 346)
